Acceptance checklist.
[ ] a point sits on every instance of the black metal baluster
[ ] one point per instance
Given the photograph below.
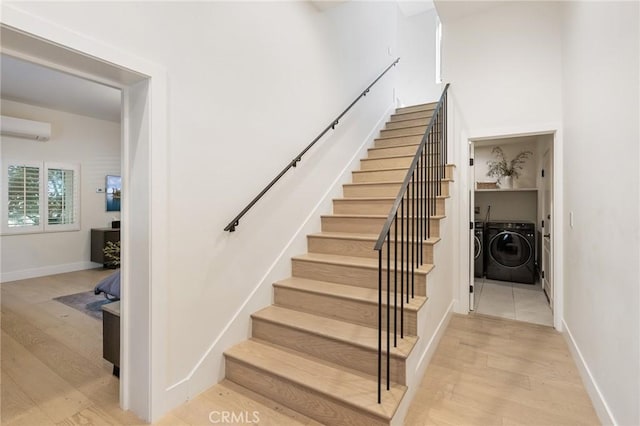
(413, 236)
(388, 303)
(379, 325)
(402, 267)
(395, 281)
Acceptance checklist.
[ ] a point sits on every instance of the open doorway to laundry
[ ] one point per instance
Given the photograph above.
(71, 53)
(511, 209)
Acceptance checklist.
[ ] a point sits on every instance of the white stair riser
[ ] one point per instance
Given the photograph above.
(316, 405)
(360, 248)
(350, 275)
(346, 354)
(354, 311)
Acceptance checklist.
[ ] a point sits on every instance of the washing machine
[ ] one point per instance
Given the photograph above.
(478, 252)
(510, 251)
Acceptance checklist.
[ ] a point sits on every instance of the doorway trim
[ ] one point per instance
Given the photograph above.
(468, 137)
(144, 158)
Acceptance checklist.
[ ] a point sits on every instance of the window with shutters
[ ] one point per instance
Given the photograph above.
(40, 197)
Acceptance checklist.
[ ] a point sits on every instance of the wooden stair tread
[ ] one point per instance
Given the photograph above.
(344, 291)
(352, 389)
(426, 105)
(354, 334)
(389, 157)
(387, 182)
(422, 126)
(372, 216)
(413, 135)
(363, 237)
(364, 199)
(375, 148)
(399, 117)
(361, 262)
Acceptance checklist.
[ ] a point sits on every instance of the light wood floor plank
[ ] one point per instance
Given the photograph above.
(489, 371)
(486, 371)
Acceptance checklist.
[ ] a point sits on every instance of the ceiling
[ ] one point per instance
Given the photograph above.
(34, 84)
(451, 10)
(408, 7)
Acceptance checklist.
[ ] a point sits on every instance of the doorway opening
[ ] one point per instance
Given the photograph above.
(141, 385)
(511, 195)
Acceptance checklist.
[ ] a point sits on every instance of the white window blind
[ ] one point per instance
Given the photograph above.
(40, 197)
(62, 196)
(23, 203)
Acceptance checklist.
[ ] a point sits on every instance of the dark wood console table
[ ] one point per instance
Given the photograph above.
(99, 239)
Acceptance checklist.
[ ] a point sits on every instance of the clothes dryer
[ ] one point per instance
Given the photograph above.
(510, 251)
(478, 252)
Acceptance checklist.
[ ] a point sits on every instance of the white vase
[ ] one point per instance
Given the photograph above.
(506, 182)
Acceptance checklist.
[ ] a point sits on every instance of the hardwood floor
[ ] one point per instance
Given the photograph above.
(486, 371)
(494, 371)
(52, 366)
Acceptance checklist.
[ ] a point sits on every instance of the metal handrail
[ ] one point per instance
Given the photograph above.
(416, 201)
(412, 167)
(231, 227)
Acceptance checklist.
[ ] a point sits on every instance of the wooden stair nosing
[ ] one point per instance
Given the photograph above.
(427, 106)
(364, 237)
(355, 262)
(341, 331)
(387, 182)
(365, 199)
(388, 169)
(398, 137)
(405, 145)
(348, 389)
(359, 294)
(424, 126)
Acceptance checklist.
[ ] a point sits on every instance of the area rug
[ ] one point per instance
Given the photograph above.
(86, 302)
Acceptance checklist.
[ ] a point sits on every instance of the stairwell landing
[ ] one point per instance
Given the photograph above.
(314, 351)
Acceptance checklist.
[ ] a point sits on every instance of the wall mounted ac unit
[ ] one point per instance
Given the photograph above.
(25, 129)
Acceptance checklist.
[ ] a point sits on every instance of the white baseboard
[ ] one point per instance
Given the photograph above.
(599, 403)
(46, 270)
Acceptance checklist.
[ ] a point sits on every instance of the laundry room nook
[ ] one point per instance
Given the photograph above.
(512, 239)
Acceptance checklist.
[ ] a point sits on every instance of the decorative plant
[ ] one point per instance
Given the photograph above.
(112, 254)
(501, 168)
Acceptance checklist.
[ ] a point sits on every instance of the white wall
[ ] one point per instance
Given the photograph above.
(92, 143)
(417, 50)
(504, 64)
(503, 60)
(600, 106)
(250, 84)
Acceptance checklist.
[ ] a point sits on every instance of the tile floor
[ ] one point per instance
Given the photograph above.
(523, 302)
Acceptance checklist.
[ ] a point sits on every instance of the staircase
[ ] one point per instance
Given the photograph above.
(315, 350)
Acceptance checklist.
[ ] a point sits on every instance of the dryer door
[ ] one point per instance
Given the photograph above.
(477, 248)
(510, 249)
